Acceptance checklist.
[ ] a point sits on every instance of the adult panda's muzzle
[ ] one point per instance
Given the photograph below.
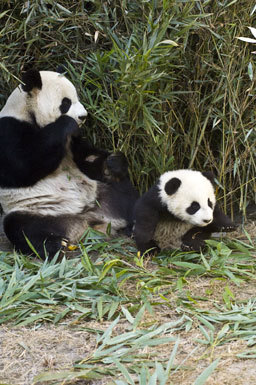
(78, 112)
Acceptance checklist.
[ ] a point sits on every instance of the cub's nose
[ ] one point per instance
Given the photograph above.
(207, 221)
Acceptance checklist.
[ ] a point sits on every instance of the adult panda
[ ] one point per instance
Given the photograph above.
(179, 211)
(53, 184)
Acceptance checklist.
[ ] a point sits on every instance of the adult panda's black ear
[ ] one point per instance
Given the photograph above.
(172, 186)
(210, 176)
(31, 79)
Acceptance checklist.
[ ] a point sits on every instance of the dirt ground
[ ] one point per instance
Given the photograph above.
(28, 351)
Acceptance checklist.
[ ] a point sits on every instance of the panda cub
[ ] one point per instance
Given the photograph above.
(180, 211)
(53, 184)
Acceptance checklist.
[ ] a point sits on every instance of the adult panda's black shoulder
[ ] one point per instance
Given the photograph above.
(179, 211)
(53, 184)
(33, 130)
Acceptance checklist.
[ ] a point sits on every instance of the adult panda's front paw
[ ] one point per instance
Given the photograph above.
(116, 167)
(69, 125)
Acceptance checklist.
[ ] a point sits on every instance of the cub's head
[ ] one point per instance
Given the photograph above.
(42, 98)
(188, 195)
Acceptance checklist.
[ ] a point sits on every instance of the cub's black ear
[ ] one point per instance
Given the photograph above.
(31, 79)
(210, 176)
(172, 186)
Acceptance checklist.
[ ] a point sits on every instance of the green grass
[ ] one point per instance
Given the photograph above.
(108, 281)
(94, 285)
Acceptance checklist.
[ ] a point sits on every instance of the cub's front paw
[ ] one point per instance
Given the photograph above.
(229, 228)
(186, 247)
(194, 245)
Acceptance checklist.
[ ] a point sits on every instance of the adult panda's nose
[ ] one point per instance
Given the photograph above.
(82, 115)
(81, 111)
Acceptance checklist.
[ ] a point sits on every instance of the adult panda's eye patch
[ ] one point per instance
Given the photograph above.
(193, 208)
(65, 105)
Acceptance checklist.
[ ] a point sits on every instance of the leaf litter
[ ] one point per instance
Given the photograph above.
(108, 318)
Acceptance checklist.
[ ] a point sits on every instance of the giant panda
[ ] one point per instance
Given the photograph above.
(53, 184)
(178, 212)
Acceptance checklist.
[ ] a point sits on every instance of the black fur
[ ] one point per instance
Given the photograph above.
(113, 170)
(172, 186)
(45, 233)
(210, 176)
(122, 197)
(28, 154)
(65, 105)
(147, 212)
(107, 167)
(31, 80)
(110, 168)
(61, 69)
(82, 150)
(193, 208)
(117, 165)
(194, 239)
(209, 203)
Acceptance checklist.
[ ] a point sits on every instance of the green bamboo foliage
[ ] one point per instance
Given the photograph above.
(166, 82)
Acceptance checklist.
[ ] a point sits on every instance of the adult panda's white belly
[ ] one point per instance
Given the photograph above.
(66, 191)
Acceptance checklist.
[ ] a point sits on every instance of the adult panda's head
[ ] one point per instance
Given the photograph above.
(188, 195)
(42, 98)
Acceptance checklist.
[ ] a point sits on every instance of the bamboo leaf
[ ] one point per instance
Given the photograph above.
(253, 31)
(124, 371)
(206, 373)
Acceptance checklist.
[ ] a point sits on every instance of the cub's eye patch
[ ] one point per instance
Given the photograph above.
(193, 208)
(210, 203)
(65, 105)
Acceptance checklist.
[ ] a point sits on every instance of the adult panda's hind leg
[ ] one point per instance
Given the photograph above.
(45, 233)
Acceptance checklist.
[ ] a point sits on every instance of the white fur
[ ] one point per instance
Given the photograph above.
(44, 104)
(168, 233)
(194, 187)
(67, 191)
